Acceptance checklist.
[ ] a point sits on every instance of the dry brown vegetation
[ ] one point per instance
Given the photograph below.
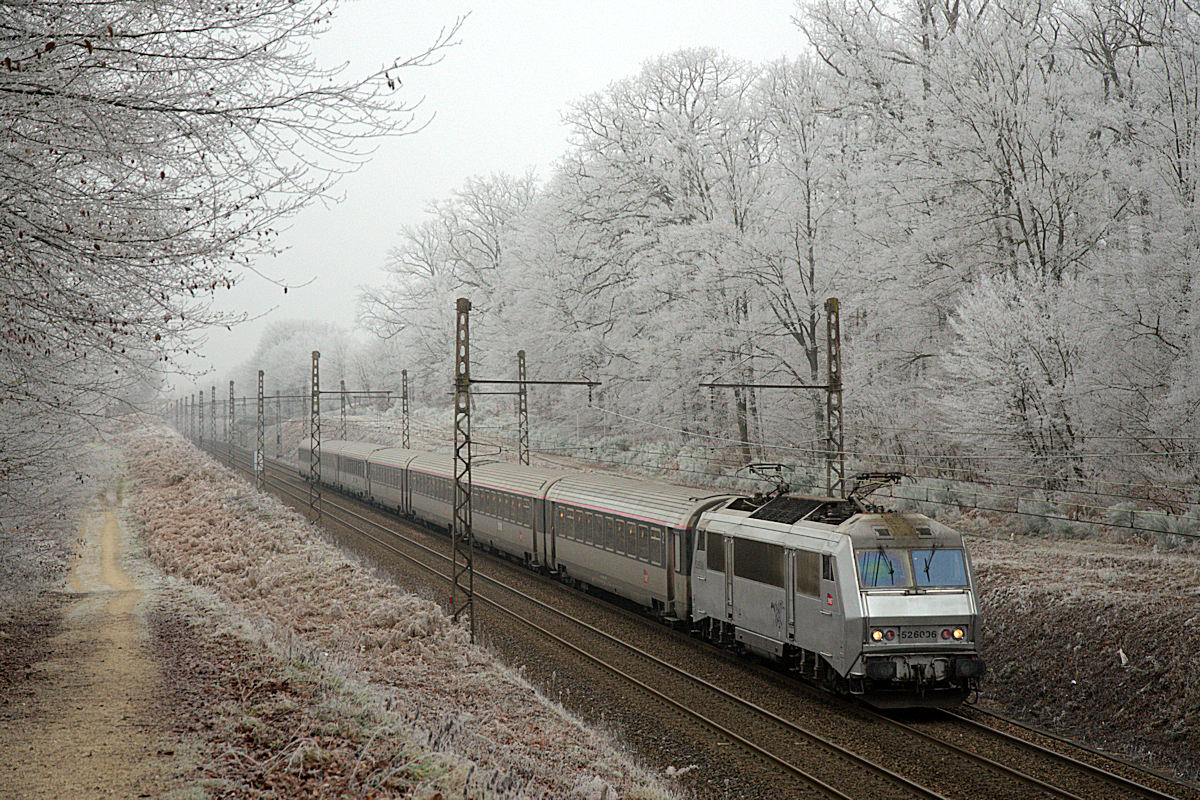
(490, 733)
(1094, 640)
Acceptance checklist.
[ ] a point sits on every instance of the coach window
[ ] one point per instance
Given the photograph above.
(656, 546)
(643, 543)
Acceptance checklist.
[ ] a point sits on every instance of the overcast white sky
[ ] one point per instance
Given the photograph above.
(496, 100)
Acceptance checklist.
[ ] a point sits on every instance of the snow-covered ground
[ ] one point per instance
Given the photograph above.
(204, 525)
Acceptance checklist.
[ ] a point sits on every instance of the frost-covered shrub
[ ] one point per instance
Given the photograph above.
(1158, 525)
(1121, 516)
(1185, 528)
(908, 497)
(1034, 513)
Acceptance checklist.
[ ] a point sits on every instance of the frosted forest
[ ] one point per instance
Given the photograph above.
(1001, 195)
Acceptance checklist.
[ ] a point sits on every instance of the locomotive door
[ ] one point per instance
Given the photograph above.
(728, 544)
(830, 622)
(790, 602)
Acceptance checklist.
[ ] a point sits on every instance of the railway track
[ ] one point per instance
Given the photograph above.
(764, 734)
(709, 705)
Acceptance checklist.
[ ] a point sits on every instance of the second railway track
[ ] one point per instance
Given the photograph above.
(858, 752)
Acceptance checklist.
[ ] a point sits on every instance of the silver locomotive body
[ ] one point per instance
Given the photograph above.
(880, 605)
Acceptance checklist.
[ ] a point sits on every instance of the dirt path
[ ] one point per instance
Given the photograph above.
(87, 729)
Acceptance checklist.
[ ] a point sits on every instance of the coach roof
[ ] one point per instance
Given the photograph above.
(650, 500)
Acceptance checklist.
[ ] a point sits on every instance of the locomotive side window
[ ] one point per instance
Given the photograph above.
(758, 561)
(716, 552)
(827, 568)
(807, 575)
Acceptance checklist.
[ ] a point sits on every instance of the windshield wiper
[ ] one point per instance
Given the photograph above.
(929, 560)
(891, 570)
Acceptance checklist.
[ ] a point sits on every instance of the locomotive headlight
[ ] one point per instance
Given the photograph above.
(877, 636)
(959, 633)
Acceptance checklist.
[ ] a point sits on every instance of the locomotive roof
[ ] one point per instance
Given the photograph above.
(653, 501)
(865, 531)
(907, 529)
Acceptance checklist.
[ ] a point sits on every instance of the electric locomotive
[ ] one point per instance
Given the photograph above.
(870, 603)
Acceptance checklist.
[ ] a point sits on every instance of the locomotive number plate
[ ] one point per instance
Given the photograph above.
(920, 635)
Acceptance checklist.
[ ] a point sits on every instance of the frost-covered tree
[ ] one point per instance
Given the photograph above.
(149, 149)
(284, 354)
(1020, 360)
(461, 249)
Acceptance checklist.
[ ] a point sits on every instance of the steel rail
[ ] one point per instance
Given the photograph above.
(831, 746)
(1100, 772)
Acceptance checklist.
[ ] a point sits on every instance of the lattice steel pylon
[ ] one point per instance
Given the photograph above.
(522, 411)
(835, 453)
(232, 423)
(404, 440)
(212, 416)
(462, 588)
(314, 440)
(260, 466)
(200, 418)
(342, 392)
(278, 426)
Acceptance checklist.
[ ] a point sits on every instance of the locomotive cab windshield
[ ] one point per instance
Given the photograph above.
(923, 568)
